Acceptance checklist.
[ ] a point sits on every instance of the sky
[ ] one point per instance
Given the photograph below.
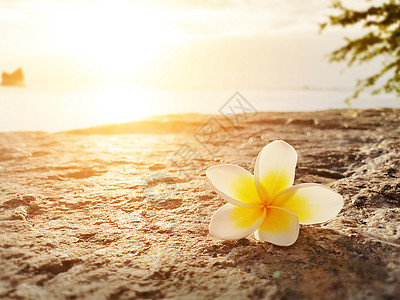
(174, 44)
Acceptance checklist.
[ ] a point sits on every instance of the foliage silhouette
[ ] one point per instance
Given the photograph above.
(381, 39)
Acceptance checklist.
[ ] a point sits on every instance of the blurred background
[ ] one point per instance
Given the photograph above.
(90, 62)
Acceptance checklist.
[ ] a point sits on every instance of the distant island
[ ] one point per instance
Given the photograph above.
(14, 79)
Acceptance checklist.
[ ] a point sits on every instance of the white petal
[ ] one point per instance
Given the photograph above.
(312, 203)
(232, 222)
(280, 227)
(274, 169)
(234, 184)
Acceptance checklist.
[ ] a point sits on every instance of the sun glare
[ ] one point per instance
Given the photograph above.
(119, 39)
(117, 103)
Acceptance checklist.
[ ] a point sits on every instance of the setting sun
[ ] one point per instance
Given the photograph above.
(118, 39)
(83, 63)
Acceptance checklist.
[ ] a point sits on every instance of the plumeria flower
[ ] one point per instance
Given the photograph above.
(267, 203)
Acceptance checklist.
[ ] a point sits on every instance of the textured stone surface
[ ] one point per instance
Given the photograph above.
(114, 217)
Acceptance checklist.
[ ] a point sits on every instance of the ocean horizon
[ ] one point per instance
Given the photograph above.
(53, 110)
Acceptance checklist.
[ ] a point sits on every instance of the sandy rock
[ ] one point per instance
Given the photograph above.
(125, 216)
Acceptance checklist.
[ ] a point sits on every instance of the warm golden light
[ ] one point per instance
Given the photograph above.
(118, 39)
(121, 103)
(88, 62)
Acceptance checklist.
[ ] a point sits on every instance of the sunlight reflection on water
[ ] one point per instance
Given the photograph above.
(54, 110)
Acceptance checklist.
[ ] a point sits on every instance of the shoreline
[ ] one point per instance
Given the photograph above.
(174, 122)
(20, 109)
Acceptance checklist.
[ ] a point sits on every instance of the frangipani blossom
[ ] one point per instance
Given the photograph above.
(267, 204)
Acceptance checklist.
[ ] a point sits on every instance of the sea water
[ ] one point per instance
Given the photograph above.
(59, 109)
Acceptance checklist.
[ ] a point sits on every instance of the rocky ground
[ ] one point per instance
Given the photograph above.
(112, 213)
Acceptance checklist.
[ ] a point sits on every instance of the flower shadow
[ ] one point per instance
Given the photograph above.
(322, 264)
